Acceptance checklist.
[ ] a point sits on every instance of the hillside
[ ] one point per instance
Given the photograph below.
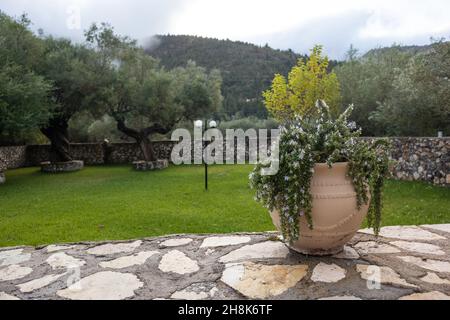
(413, 50)
(246, 69)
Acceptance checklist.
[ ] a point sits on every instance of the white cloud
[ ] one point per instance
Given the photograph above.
(238, 18)
(295, 24)
(408, 19)
(255, 18)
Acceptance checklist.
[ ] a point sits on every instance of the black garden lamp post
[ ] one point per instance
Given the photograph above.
(199, 124)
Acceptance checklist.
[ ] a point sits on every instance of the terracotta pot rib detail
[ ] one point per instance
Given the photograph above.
(335, 214)
(330, 184)
(333, 195)
(337, 225)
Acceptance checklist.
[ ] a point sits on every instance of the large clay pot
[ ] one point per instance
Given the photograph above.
(335, 214)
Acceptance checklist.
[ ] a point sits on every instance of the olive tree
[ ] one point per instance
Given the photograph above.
(419, 104)
(144, 98)
(24, 103)
(75, 72)
(366, 81)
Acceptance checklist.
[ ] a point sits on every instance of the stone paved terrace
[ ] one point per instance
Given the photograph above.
(414, 263)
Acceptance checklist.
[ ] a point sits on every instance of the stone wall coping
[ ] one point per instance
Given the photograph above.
(173, 141)
(418, 158)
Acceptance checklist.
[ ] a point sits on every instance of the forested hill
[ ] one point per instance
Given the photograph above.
(413, 50)
(246, 69)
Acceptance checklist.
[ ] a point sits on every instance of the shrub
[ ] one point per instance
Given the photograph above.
(307, 82)
(303, 143)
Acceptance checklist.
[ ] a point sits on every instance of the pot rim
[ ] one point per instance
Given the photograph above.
(336, 164)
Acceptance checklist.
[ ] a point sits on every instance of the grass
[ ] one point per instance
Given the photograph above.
(115, 202)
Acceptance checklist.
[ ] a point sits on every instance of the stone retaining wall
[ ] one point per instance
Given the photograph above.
(90, 153)
(425, 159)
(122, 153)
(13, 157)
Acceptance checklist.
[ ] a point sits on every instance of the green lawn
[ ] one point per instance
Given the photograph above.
(115, 202)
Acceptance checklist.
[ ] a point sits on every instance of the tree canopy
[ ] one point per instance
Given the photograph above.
(419, 103)
(247, 69)
(307, 82)
(146, 99)
(24, 102)
(76, 73)
(399, 91)
(368, 80)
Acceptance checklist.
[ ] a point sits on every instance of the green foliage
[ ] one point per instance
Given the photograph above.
(420, 91)
(43, 209)
(307, 82)
(104, 128)
(75, 72)
(18, 44)
(249, 123)
(307, 141)
(24, 104)
(83, 127)
(78, 126)
(144, 95)
(368, 81)
(247, 69)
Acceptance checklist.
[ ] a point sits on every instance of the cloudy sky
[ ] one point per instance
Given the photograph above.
(283, 24)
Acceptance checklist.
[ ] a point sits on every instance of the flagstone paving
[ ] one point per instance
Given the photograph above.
(407, 263)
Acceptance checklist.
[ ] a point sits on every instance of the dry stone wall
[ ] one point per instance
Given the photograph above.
(424, 159)
(12, 157)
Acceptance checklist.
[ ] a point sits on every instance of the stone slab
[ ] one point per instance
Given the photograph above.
(382, 275)
(434, 279)
(177, 262)
(406, 233)
(39, 283)
(4, 296)
(419, 247)
(224, 241)
(176, 242)
(105, 285)
(62, 260)
(257, 281)
(264, 250)
(373, 247)
(14, 272)
(234, 266)
(128, 261)
(434, 295)
(328, 273)
(438, 227)
(10, 257)
(54, 248)
(429, 264)
(348, 253)
(114, 248)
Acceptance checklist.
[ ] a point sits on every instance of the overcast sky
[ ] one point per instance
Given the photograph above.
(283, 24)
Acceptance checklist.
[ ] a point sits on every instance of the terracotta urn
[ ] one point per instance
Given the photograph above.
(335, 214)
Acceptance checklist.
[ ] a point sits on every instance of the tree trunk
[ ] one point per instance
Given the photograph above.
(146, 147)
(141, 138)
(57, 133)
